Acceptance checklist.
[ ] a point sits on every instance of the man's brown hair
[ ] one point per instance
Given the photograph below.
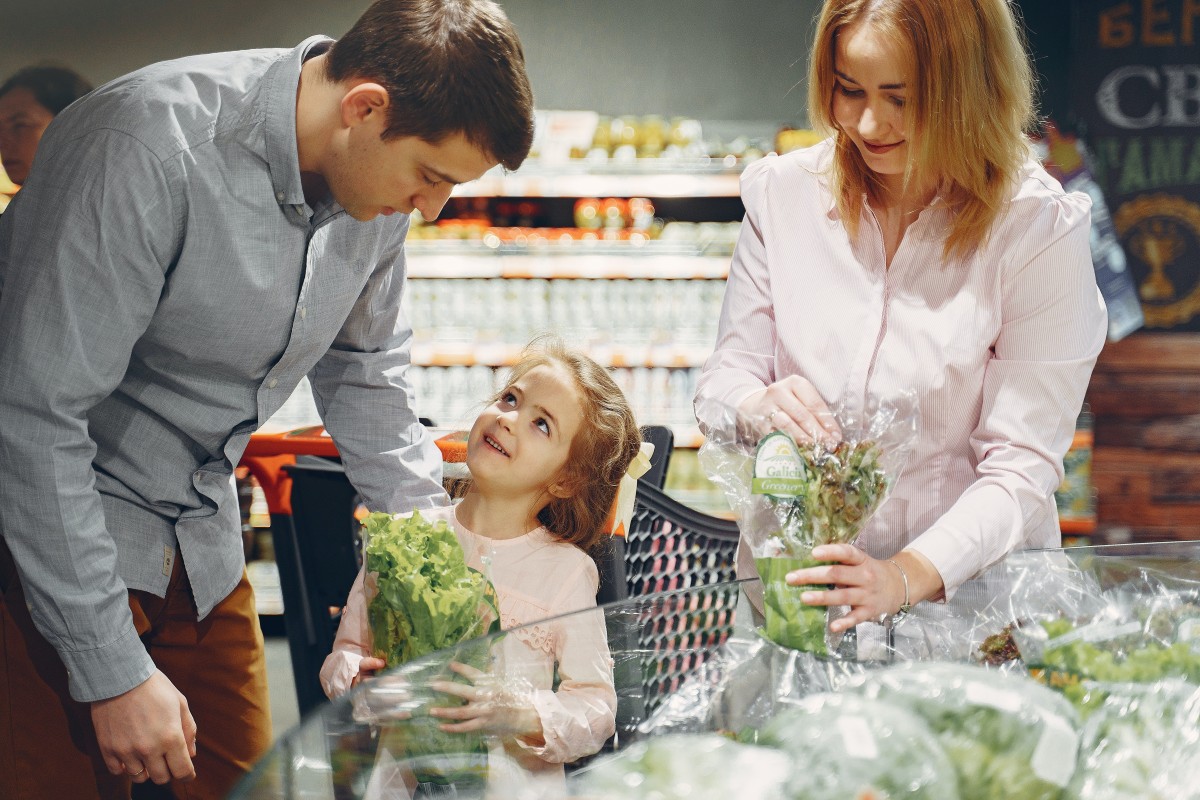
(449, 66)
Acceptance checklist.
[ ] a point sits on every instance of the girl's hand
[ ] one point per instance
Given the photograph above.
(873, 589)
(794, 406)
(367, 669)
(490, 708)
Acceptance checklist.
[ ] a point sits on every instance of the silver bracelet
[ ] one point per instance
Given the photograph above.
(905, 607)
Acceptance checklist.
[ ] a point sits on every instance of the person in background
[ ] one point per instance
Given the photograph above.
(920, 247)
(546, 458)
(196, 238)
(29, 100)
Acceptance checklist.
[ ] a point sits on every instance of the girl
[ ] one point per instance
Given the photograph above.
(546, 457)
(921, 247)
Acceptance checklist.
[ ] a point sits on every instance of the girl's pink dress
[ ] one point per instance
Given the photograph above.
(537, 579)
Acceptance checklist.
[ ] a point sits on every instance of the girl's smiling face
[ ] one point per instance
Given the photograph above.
(869, 98)
(520, 443)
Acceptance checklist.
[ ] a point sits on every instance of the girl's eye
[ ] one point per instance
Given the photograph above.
(543, 426)
(508, 398)
(898, 102)
(430, 181)
(848, 92)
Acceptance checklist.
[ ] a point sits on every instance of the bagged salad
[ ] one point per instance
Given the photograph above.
(790, 497)
(1007, 736)
(422, 597)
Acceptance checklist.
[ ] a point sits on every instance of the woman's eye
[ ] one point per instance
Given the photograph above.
(430, 181)
(898, 102)
(543, 426)
(848, 92)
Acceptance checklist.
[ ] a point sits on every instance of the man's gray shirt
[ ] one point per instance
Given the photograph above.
(163, 288)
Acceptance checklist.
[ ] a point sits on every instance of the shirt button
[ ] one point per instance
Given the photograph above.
(303, 312)
(271, 384)
(279, 196)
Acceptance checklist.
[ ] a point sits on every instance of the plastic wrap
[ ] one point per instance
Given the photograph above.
(686, 767)
(845, 745)
(790, 497)
(421, 595)
(1142, 742)
(1006, 735)
(1080, 626)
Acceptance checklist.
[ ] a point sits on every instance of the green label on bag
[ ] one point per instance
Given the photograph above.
(779, 470)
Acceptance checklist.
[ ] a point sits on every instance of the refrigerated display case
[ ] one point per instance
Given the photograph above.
(690, 664)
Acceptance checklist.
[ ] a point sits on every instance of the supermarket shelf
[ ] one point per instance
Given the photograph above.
(642, 178)
(475, 260)
(471, 353)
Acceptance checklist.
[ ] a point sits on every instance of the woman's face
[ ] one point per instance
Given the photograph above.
(23, 120)
(869, 96)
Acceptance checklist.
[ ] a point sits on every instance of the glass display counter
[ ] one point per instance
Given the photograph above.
(692, 661)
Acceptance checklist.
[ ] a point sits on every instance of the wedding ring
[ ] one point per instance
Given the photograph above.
(771, 416)
(139, 772)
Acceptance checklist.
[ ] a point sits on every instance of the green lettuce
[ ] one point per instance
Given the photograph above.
(422, 596)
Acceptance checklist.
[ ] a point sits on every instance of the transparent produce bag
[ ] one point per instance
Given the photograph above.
(1143, 742)
(422, 597)
(1007, 736)
(846, 745)
(683, 766)
(790, 497)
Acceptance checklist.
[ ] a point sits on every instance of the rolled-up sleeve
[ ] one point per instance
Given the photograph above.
(88, 243)
(1052, 331)
(363, 394)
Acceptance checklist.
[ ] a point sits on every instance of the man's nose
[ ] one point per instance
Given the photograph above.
(432, 200)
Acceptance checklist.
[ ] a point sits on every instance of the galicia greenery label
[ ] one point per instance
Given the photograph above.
(779, 470)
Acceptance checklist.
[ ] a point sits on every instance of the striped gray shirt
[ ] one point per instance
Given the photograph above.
(165, 286)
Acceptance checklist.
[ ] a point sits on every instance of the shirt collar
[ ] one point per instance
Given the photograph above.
(280, 84)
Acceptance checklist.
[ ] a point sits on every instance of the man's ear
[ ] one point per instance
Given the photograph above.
(362, 102)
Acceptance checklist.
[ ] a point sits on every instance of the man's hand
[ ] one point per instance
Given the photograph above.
(147, 733)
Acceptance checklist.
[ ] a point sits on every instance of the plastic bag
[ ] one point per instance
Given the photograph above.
(791, 497)
(421, 598)
(1006, 735)
(686, 767)
(1143, 742)
(421, 595)
(846, 745)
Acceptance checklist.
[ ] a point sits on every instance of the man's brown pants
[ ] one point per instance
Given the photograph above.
(48, 746)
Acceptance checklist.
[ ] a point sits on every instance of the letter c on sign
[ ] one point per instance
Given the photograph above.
(1108, 101)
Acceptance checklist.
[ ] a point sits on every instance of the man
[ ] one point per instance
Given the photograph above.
(29, 100)
(197, 237)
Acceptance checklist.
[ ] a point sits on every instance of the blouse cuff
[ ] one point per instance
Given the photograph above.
(944, 549)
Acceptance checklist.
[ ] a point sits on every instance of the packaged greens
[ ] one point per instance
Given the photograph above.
(421, 595)
(1007, 736)
(845, 745)
(791, 497)
(1143, 742)
(421, 598)
(683, 766)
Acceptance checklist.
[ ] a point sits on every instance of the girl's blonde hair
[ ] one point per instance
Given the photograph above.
(969, 104)
(608, 439)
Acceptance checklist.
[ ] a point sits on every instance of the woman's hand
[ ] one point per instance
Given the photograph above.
(873, 589)
(490, 707)
(794, 406)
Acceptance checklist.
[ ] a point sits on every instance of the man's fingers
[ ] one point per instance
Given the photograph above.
(179, 767)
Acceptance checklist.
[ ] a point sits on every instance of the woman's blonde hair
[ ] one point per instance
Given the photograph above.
(608, 439)
(969, 104)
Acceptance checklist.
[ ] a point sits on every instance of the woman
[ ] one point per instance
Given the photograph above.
(921, 248)
(30, 99)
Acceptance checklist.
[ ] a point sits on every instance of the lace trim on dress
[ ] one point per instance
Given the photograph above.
(538, 637)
